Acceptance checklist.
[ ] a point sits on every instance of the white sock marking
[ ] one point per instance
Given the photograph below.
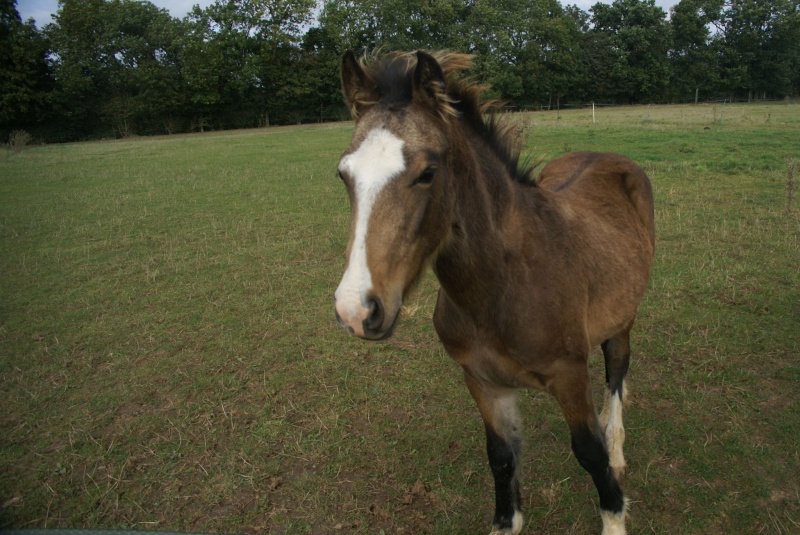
(516, 523)
(613, 523)
(516, 526)
(615, 435)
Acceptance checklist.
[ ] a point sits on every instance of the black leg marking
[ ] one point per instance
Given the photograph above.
(503, 462)
(617, 353)
(592, 456)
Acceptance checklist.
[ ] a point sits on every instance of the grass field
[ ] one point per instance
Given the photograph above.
(169, 358)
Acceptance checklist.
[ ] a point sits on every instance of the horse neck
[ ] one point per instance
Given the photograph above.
(488, 207)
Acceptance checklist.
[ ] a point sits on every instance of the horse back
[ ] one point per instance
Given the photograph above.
(601, 182)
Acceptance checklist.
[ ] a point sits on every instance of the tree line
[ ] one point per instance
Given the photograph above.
(114, 68)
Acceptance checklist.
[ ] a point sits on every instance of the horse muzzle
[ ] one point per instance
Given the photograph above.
(367, 318)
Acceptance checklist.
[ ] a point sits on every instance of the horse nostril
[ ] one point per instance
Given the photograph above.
(375, 317)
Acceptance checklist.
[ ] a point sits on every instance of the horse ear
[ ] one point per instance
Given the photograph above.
(358, 88)
(429, 84)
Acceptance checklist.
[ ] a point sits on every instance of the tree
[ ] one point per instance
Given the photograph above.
(364, 25)
(694, 55)
(413, 24)
(760, 46)
(25, 80)
(528, 50)
(115, 65)
(627, 51)
(144, 79)
(346, 25)
(497, 31)
(237, 56)
(552, 54)
(80, 60)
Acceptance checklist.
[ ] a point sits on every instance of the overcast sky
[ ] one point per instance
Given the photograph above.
(40, 10)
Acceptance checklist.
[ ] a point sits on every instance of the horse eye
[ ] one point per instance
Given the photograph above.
(426, 177)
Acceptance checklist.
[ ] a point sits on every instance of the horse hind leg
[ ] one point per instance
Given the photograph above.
(575, 399)
(617, 352)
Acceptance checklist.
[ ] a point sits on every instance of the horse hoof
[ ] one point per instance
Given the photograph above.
(614, 523)
(515, 529)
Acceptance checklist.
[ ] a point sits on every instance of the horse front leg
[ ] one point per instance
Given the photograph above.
(498, 408)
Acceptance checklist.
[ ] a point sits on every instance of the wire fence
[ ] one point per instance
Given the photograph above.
(589, 104)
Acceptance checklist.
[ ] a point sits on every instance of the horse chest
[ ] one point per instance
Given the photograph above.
(506, 348)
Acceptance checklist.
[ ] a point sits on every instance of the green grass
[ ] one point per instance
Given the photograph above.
(169, 358)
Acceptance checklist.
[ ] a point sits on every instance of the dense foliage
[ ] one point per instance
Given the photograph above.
(112, 68)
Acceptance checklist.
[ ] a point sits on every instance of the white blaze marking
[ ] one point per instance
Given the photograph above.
(377, 160)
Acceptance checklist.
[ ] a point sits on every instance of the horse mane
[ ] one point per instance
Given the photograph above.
(393, 75)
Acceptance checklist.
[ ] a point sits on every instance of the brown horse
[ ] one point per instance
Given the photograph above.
(532, 273)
